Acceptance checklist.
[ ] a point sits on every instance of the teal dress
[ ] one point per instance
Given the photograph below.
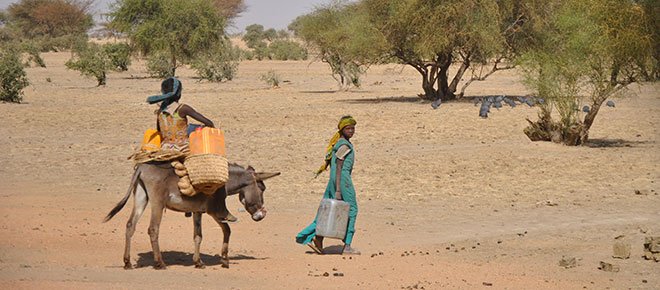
(347, 192)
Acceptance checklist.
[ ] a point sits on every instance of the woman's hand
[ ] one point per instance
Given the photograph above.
(338, 195)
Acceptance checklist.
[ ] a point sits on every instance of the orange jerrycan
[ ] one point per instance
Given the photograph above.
(207, 140)
(207, 163)
(151, 140)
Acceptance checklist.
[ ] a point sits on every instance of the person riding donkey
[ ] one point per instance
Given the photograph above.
(172, 122)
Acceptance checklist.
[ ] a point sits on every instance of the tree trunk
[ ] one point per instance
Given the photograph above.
(545, 129)
(435, 80)
(459, 75)
(589, 120)
(172, 61)
(101, 79)
(430, 93)
(444, 62)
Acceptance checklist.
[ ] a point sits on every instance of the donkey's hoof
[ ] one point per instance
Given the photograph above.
(200, 265)
(128, 266)
(225, 263)
(160, 266)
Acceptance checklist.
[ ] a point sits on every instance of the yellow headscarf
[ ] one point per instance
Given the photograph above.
(343, 122)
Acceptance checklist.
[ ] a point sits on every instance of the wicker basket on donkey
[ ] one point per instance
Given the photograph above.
(207, 172)
(207, 165)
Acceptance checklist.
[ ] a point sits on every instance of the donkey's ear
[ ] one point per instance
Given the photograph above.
(265, 175)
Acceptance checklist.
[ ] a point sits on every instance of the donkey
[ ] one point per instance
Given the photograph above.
(157, 182)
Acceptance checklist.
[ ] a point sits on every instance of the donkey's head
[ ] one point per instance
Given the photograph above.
(250, 187)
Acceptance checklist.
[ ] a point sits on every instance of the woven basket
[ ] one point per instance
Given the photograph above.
(207, 172)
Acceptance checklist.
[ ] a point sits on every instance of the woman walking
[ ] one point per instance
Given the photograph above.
(340, 156)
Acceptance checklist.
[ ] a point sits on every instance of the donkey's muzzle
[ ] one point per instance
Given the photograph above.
(259, 215)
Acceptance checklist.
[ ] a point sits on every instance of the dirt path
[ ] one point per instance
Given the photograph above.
(447, 199)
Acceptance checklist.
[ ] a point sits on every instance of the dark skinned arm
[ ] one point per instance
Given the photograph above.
(340, 164)
(187, 111)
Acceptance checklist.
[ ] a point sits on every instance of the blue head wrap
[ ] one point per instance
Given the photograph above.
(166, 98)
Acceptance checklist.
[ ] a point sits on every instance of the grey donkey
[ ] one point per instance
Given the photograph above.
(157, 183)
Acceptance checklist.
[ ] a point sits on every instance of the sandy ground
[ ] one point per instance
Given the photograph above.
(447, 199)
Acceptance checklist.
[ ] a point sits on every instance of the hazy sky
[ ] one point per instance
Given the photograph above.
(269, 13)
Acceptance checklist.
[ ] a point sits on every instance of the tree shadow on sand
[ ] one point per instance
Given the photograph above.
(400, 99)
(472, 99)
(146, 259)
(319, 92)
(417, 99)
(613, 143)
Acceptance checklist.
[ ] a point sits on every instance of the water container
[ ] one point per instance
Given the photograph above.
(207, 140)
(151, 140)
(332, 218)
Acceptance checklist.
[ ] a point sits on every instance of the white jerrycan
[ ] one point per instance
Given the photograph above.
(332, 218)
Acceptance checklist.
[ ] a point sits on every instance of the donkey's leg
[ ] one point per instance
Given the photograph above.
(226, 232)
(156, 217)
(140, 203)
(197, 221)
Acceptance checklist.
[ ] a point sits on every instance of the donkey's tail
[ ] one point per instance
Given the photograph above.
(122, 202)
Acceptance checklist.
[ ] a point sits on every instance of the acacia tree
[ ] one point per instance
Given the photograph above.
(343, 38)
(229, 9)
(255, 38)
(181, 29)
(431, 35)
(48, 24)
(587, 47)
(51, 18)
(651, 70)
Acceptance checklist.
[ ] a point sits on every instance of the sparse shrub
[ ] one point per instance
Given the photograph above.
(119, 54)
(91, 61)
(271, 78)
(284, 49)
(72, 42)
(33, 54)
(13, 78)
(158, 65)
(261, 51)
(217, 65)
(247, 54)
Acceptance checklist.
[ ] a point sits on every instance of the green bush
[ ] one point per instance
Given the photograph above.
(91, 61)
(32, 49)
(158, 65)
(271, 78)
(284, 49)
(219, 64)
(119, 54)
(261, 51)
(66, 42)
(247, 54)
(13, 78)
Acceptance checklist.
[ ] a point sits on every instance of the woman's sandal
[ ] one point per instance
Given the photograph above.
(315, 248)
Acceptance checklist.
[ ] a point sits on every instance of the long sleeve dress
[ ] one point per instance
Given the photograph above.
(346, 152)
